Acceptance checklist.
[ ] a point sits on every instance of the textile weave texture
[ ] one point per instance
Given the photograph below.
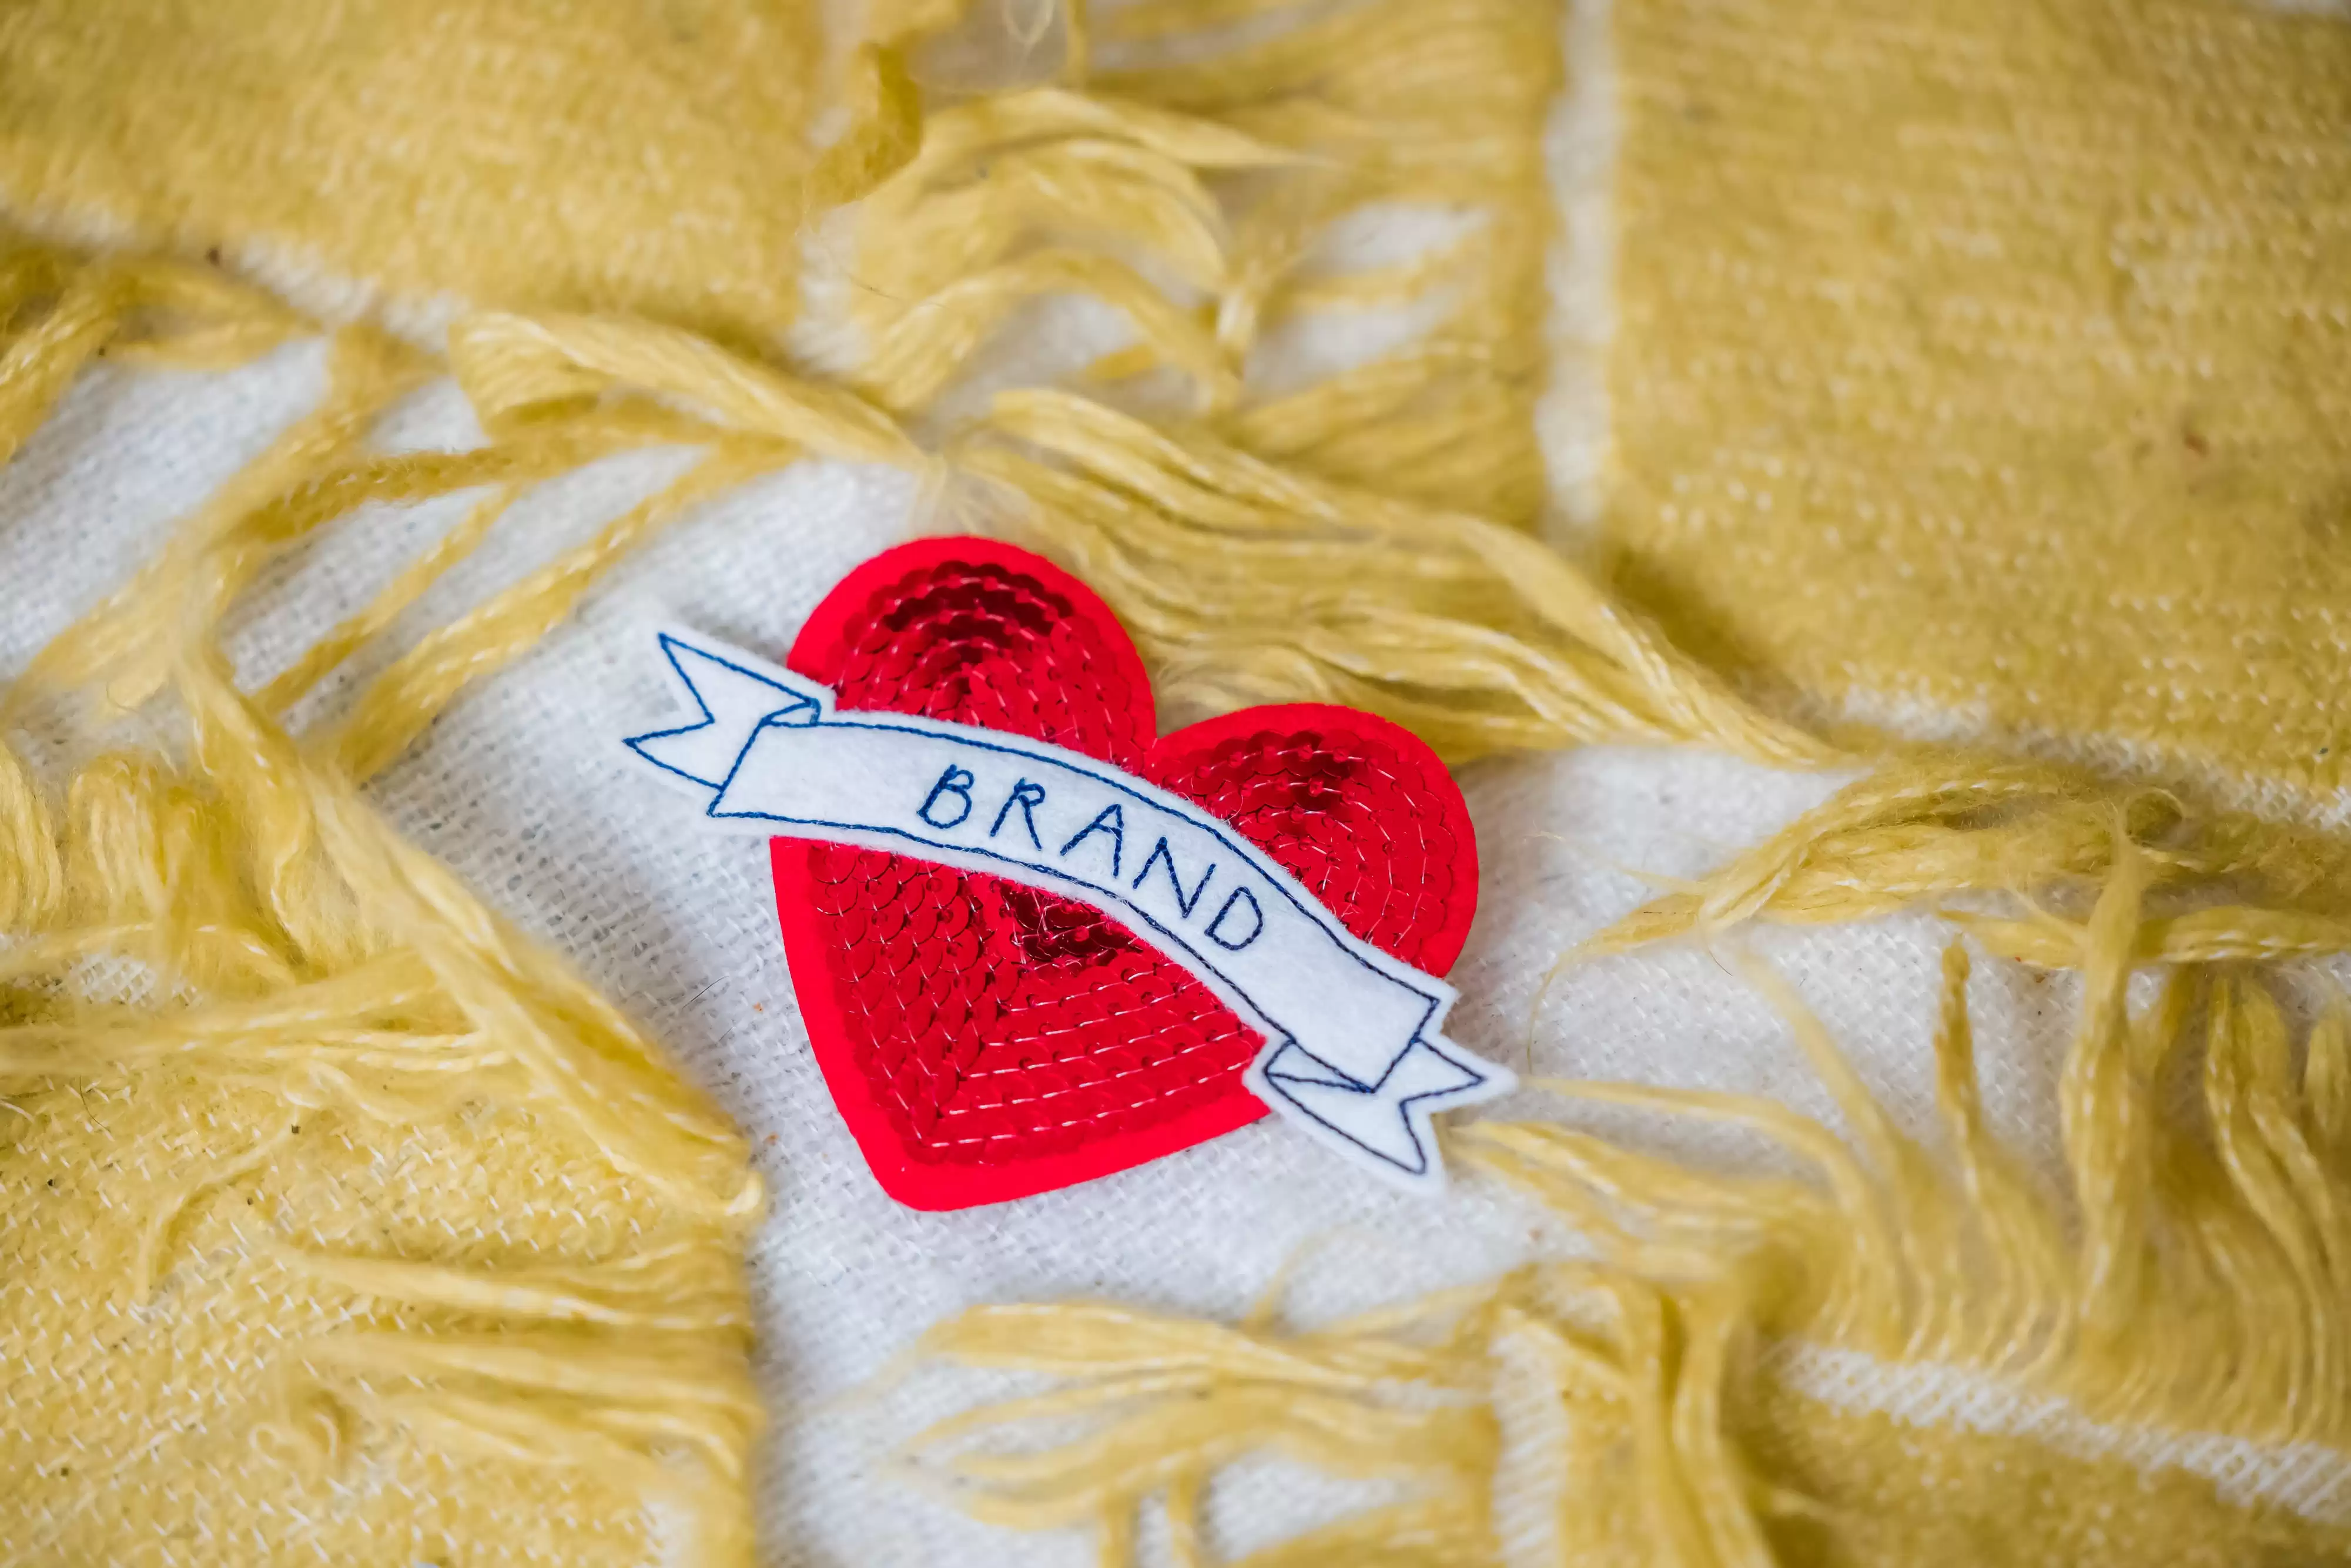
(580, 157)
(410, 1146)
(1986, 364)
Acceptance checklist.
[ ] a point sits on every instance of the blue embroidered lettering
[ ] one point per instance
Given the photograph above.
(1159, 855)
(1256, 913)
(1028, 797)
(1111, 821)
(955, 782)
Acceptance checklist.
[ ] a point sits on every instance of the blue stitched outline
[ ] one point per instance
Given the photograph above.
(1275, 1080)
(669, 647)
(1209, 931)
(1287, 1037)
(1101, 824)
(1159, 855)
(1022, 797)
(946, 786)
(822, 719)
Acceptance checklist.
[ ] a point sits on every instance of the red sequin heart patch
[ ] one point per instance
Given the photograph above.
(985, 1041)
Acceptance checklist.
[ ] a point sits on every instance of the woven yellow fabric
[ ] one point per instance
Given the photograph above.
(154, 1414)
(341, 1221)
(2003, 1500)
(1983, 360)
(1990, 365)
(428, 153)
(1657, 1405)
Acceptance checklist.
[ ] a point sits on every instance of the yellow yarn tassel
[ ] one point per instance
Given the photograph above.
(292, 952)
(2206, 1301)
(230, 939)
(1051, 191)
(1931, 824)
(1478, 636)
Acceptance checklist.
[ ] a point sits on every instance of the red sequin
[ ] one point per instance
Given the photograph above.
(986, 1040)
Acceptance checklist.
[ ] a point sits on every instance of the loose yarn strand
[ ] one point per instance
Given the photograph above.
(285, 956)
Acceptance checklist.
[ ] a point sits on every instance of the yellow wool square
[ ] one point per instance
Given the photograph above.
(640, 156)
(1993, 360)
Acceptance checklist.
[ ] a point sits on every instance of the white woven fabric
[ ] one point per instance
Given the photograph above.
(524, 788)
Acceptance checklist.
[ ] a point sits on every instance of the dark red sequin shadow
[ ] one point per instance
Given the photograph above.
(985, 1041)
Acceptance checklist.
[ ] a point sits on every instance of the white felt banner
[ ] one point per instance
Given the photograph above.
(1353, 1054)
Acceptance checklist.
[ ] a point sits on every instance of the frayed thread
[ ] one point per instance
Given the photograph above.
(296, 950)
(2180, 1285)
(1360, 541)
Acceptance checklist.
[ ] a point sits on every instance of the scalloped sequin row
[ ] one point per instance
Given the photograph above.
(993, 1022)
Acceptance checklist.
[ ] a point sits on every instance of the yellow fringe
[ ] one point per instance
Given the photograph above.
(2205, 1294)
(1243, 580)
(299, 946)
(1927, 825)
(2191, 1280)
(1362, 541)
(1191, 200)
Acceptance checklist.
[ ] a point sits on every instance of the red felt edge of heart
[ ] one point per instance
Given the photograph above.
(939, 1188)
